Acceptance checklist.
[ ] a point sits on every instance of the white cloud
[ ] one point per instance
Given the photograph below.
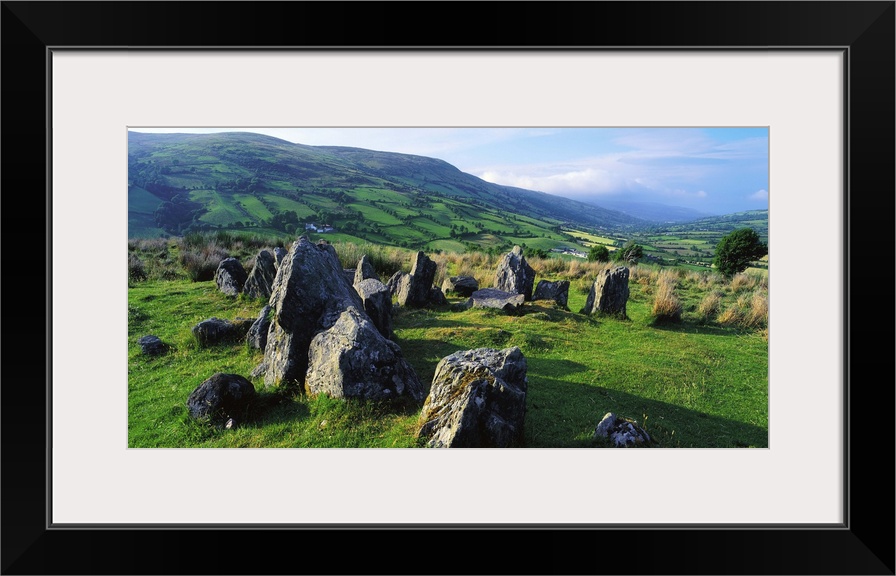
(759, 195)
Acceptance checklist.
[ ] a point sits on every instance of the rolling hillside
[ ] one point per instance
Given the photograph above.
(179, 183)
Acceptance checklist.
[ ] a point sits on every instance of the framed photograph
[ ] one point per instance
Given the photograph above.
(818, 76)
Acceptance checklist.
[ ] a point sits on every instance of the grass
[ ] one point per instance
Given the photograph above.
(700, 382)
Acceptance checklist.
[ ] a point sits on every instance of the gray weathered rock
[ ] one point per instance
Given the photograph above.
(557, 291)
(437, 297)
(257, 337)
(494, 298)
(222, 397)
(394, 282)
(309, 293)
(514, 274)
(460, 285)
(609, 293)
(230, 276)
(261, 279)
(377, 303)
(477, 400)
(622, 432)
(414, 289)
(364, 271)
(152, 345)
(217, 331)
(279, 254)
(351, 359)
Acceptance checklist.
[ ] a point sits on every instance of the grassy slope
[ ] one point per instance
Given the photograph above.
(690, 385)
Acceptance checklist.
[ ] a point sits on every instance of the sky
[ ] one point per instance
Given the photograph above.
(712, 170)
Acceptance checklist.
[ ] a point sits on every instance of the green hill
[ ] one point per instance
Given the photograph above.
(179, 183)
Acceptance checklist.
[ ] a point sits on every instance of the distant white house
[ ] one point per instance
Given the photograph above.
(323, 228)
(570, 251)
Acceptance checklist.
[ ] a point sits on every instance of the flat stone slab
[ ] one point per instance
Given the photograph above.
(494, 298)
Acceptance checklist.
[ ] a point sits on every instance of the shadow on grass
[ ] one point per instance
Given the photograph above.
(561, 414)
(686, 327)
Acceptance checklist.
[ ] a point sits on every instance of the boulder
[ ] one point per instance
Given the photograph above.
(460, 285)
(477, 400)
(364, 271)
(557, 291)
(351, 359)
(221, 398)
(261, 279)
(514, 274)
(257, 337)
(437, 297)
(217, 331)
(309, 293)
(152, 345)
(230, 276)
(621, 432)
(609, 293)
(377, 303)
(494, 298)
(394, 282)
(414, 289)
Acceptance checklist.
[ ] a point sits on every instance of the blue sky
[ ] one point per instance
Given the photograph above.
(713, 170)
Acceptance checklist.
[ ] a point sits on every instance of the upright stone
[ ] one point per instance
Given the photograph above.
(394, 283)
(514, 274)
(261, 279)
(460, 285)
(308, 295)
(258, 333)
(414, 289)
(230, 276)
(609, 293)
(279, 254)
(557, 291)
(377, 303)
(477, 400)
(364, 271)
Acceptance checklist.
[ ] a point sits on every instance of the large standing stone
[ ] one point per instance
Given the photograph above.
(394, 282)
(230, 276)
(279, 254)
(494, 298)
(222, 397)
(557, 291)
(514, 274)
(414, 289)
(261, 279)
(257, 337)
(351, 359)
(309, 293)
(217, 331)
(377, 303)
(609, 293)
(477, 400)
(364, 271)
(460, 285)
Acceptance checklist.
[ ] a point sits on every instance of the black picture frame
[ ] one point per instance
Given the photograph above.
(864, 544)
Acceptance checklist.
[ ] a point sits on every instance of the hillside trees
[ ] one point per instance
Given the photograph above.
(599, 253)
(737, 249)
(630, 253)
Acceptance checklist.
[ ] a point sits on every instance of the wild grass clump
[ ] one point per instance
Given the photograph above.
(710, 305)
(386, 260)
(136, 269)
(666, 304)
(742, 282)
(201, 263)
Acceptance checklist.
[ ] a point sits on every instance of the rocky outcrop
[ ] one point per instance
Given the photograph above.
(494, 298)
(223, 397)
(514, 274)
(460, 285)
(322, 339)
(394, 282)
(414, 289)
(152, 345)
(377, 303)
(261, 279)
(477, 400)
(217, 331)
(257, 337)
(279, 254)
(351, 359)
(557, 291)
(364, 271)
(621, 432)
(609, 293)
(230, 276)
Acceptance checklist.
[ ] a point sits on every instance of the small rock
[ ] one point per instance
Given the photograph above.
(152, 345)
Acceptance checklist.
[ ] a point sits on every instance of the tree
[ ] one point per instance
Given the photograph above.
(599, 253)
(737, 249)
(630, 253)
